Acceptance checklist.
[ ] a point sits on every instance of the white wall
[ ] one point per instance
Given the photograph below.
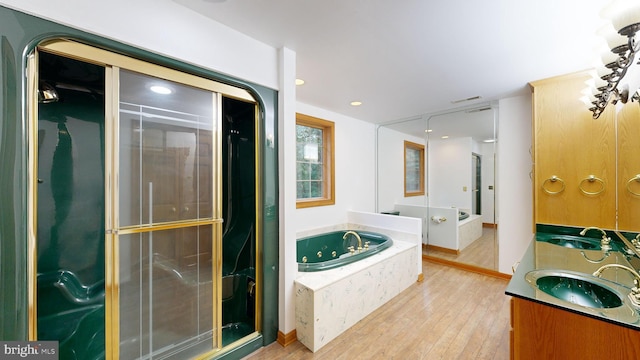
(164, 27)
(354, 171)
(515, 199)
(449, 172)
(286, 176)
(391, 169)
(488, 179)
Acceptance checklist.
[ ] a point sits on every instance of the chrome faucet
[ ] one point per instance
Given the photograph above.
(344, 237)
(634, 295)
(636, 242)
(605, 242)
(584, 231)
(632, 246)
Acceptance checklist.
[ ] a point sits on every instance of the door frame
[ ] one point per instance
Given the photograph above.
(267, 314)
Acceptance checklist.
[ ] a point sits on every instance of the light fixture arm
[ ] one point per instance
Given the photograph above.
(613, 92)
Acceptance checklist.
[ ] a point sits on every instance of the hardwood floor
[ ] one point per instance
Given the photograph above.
(480, 253)
(452, 314)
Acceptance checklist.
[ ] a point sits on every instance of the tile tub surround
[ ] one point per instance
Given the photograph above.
(330, 302)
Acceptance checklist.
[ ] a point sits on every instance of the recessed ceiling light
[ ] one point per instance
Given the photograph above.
(490, 140)
(299, 82)
(159, 89)
(445, 137)
(356, 103)
(428, 130)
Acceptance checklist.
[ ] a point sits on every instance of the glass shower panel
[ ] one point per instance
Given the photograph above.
(166, 163)
(71, 207)
(166, 308)
(167, 229)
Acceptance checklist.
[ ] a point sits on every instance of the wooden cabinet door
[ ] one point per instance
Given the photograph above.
(576, 149)
(629, 167)
(545, 332)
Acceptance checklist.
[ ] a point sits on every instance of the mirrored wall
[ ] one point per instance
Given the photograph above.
(458, 205)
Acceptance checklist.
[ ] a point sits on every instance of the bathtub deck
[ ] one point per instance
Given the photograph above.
(330, 302)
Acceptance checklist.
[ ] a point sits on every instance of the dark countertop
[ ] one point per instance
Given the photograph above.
(543, 255)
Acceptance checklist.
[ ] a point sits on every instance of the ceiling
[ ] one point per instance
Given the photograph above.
(477, 123)
(406, 58)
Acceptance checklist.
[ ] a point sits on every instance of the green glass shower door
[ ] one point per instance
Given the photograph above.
(168, 228)
(136, 256)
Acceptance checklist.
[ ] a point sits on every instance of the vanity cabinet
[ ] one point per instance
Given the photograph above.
(544, 332)
(574, 156)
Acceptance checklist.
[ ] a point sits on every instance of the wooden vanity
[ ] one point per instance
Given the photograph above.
(584, 174)
(545, 327)
(540, 331)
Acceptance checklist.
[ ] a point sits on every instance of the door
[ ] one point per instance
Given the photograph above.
(476, 184)
(167, 235)
(574, 156)
(128, 198)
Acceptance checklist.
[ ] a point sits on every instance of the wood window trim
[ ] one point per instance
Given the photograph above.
(328, 181)
(421, 149)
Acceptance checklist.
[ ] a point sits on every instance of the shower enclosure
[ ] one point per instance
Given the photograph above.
(146, 203)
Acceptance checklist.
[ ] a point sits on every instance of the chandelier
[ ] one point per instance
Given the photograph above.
(617, 79)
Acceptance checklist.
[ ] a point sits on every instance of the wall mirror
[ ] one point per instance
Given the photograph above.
(458, 208)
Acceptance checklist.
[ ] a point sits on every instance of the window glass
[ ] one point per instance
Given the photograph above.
(413, 169)
(314, 161)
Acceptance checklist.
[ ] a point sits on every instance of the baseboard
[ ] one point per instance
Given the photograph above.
(442, 249)
(288, 339)
(490, 225)
(472, 268)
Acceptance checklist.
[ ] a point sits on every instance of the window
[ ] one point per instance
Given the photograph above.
(413, 169)
(314, 162)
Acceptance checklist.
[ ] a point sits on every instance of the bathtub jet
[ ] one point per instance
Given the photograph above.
(334, 249)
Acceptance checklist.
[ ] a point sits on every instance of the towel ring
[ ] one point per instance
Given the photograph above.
(635, 178)
(592, 179)
(553, 179)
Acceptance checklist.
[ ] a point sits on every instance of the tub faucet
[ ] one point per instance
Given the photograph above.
(344, 237)
(634, 295)
(605, 242)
